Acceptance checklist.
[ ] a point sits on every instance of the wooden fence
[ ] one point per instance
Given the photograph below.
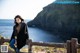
(71, 45)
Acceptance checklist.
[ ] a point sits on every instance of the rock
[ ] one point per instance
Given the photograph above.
(60, 18)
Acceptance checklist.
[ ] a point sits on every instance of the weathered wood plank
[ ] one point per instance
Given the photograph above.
(68, 46)
(59, 45)
(74, 45)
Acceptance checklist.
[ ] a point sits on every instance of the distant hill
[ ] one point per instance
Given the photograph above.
(59, 18)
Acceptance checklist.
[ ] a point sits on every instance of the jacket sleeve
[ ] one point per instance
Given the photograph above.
(13, 34)
(26, 32)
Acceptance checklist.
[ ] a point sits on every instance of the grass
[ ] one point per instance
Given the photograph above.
(48, 49)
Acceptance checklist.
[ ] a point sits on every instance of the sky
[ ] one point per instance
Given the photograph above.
(27, 9)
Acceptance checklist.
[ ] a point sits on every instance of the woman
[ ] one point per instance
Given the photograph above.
(19, 35)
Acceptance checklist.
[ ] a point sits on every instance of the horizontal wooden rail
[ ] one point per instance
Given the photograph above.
(60, 45)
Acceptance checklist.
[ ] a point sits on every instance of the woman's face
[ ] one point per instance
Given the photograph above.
(18, 20)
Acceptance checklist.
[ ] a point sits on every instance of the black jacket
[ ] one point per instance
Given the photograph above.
(22, 36)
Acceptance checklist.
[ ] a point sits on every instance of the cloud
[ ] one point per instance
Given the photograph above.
(28, 9)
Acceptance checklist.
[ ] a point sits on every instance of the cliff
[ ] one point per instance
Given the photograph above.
(61, 18)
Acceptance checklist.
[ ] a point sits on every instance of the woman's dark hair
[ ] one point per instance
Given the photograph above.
(18, 16)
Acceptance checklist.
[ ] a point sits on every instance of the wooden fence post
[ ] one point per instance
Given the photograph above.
(30, 46)
(68, 44)
(74, 45)
(1, 41)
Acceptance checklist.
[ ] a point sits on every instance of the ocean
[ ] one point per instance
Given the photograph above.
(36, 34)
